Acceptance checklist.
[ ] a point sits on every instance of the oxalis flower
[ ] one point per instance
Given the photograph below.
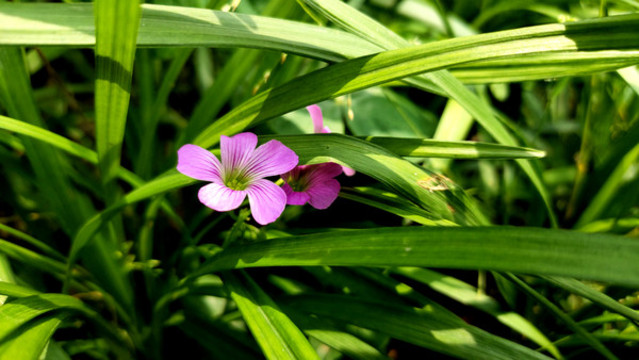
(240, 173)
(318, 127)
(313, 184)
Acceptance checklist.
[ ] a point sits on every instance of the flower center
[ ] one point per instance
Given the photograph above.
(299, 184)
(235, 181)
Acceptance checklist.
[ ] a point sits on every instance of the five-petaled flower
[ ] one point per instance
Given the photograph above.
(240, 173)
(313, 184)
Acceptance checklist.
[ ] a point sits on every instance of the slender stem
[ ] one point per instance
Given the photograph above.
(442, 14)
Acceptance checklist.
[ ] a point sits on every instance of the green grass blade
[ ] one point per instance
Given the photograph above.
(13, 290)
(22, 310)
(427, 148)
(31, 258)
(521, 250)
(423, 327)
(38, 133)
(6, 275)
(276, 334)
(33, 241)
(171, 26)
(606, 194)
(601, 299)
(116, 26)
(149, 125)
(454, 125)
(570, 323)
(469, 295)
(31, 340)
(547, 66)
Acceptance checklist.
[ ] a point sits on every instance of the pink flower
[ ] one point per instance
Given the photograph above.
(313, 184)
(241, 173)
(319, 128)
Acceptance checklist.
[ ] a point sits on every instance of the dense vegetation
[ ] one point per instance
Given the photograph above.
(493, 212)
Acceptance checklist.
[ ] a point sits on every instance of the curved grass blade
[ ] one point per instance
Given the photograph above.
(468, 295)
(423, 327)
(276, 334)
(520, 250)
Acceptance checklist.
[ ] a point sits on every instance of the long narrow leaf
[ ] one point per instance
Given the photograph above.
(453, 149)
(521, 250)
(116, 26)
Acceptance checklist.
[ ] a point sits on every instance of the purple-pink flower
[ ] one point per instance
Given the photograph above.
(314, 184)
(240, 173)
(319, 128)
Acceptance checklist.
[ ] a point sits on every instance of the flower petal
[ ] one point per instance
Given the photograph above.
(267, 201)
(220, 198)
(318, 119)
(324, 171)
(294, 197)
(199, 163)
(270, 159)
(348, 171)
(236, 151)
(323, 194)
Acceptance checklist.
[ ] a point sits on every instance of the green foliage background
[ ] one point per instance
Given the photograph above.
(494, 213)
